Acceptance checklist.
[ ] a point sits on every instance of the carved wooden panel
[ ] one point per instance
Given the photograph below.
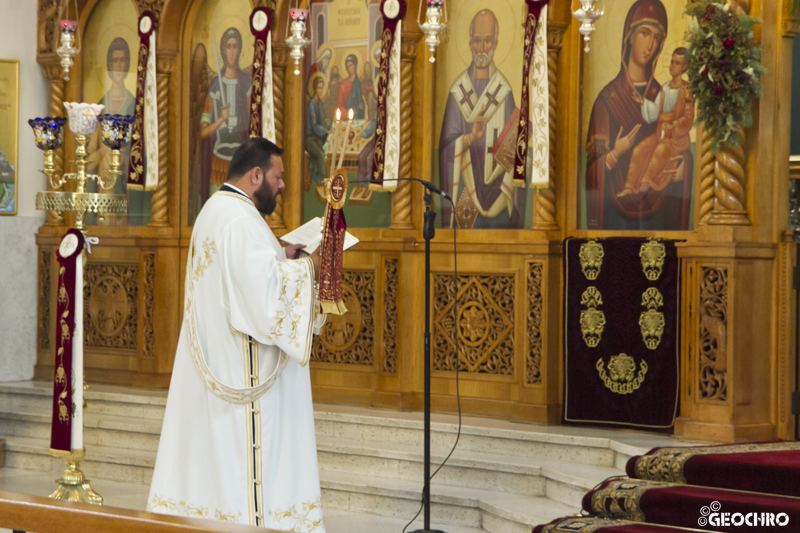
(154, 6)
(390, 314)
(45, 259)
(713, 333)
(350, 338)
(533, 360)
(149, 302)
(110, 306)
(47, 22)
(483, 321)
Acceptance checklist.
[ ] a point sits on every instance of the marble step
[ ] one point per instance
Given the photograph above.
(473, 507)
(105, 400)
(109, 430)
(491, 511)
(146, 409)
(561, 481)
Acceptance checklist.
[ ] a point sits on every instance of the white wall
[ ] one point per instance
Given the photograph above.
(17, 233)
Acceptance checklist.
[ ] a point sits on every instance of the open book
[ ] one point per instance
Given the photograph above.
(310, 234)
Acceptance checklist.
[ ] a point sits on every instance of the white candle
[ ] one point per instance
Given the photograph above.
(346, 133)
(335, 141)
(77, 359)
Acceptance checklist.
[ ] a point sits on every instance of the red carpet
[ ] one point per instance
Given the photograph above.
(590, 524)
(691, 506)
(727, 488)
(772, 468)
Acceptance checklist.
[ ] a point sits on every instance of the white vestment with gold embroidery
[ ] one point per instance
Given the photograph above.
(238, 441)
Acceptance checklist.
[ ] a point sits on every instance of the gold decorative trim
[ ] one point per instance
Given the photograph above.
(591, 256)
(593, 320)
(296, 517)
(667, 464)
(651, 321)
(255, 489)
(652, 253)
(583, 525)
(620, 499)
(189, 510)
(621, 370)
(222, 391)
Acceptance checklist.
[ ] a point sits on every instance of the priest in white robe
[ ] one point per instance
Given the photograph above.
(238, 440)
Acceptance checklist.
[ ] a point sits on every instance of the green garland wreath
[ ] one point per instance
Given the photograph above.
(723, 69)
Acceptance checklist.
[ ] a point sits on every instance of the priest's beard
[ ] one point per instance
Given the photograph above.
(483, 59)
(265, 199)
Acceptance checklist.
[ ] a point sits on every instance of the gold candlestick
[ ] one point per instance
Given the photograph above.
(73, 485)
(83, 122)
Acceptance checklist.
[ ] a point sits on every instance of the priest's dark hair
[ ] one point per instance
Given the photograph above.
(254, 152)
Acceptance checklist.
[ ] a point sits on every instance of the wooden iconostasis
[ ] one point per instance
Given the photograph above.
(729, 209)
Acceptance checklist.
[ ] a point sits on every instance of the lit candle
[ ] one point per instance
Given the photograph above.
(335, 140)
(346, 133)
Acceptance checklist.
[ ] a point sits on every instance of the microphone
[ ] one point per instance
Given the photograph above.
(428, 185)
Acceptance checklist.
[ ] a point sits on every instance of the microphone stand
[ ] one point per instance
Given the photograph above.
(428, 232)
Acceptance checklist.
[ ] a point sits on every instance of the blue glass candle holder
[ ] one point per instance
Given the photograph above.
(49, 132)
(115, 130)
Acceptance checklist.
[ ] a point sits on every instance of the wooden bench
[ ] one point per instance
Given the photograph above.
(20, 512)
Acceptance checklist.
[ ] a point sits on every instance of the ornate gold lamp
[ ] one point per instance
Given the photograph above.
(83, 121)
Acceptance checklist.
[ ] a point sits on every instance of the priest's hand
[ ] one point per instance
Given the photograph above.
(293, 251)
(315, 259)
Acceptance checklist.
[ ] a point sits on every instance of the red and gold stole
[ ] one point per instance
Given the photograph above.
(68, 255)
(332, 247)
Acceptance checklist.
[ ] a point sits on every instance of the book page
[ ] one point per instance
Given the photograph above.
(310, 234)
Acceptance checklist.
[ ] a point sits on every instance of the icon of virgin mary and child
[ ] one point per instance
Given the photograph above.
(639, 160)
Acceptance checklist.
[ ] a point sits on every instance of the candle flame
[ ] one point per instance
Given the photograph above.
(350, 115)
(338, 115)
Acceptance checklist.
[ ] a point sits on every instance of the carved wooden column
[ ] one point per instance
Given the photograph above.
(730, 181)
(401, 198)
(706, 177)
(164, 65)
(544, 200)
(280, 65)
(55, 75)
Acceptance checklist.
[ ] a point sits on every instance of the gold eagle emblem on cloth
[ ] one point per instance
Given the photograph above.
(652, 253)
(591, 257)
(593, 320)
(651, 321)
(621, 377)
